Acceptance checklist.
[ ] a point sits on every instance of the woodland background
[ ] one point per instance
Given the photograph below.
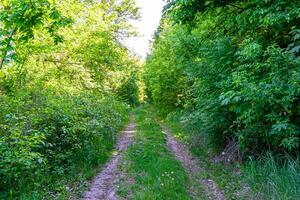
(227, 71)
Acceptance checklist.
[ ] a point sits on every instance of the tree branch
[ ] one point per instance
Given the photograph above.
(6, 49)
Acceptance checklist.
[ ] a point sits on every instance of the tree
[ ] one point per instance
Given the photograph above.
(18, 19)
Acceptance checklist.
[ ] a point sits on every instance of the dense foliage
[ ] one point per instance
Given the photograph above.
(42, 135)
(235, 67)
(229, 69)
(65, 78)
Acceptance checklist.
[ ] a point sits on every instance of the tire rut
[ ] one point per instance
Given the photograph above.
(191, 165)
(102, 187)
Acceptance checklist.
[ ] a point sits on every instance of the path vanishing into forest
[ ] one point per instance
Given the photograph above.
(135, 141)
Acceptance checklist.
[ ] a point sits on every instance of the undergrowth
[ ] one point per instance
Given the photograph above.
(270, 180)
(51, 143)
(265, 178)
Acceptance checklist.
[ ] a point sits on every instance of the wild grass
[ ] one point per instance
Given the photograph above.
(227, 176)
(157, 174)
(266, 178)
(270, 178)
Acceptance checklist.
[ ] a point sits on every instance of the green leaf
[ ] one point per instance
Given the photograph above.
(2, 74)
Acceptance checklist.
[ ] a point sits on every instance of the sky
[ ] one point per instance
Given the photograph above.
(151, 12)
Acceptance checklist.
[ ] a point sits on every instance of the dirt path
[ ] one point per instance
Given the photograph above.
(191, 165)
(102, 187)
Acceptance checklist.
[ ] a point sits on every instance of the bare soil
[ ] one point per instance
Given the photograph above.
(192, 166)
(102, 187)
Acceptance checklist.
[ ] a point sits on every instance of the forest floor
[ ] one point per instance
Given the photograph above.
(150, 163)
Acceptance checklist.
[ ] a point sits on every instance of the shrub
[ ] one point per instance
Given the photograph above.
(46, 134)
(235, 68)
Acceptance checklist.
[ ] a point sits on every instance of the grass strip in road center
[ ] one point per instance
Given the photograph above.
(155, 171)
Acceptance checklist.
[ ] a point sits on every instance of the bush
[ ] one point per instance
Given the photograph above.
(46, 134)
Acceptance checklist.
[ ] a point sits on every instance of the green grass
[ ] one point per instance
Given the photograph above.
(227, 176)
(269, 180)
(157, 174)
(266, 178)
